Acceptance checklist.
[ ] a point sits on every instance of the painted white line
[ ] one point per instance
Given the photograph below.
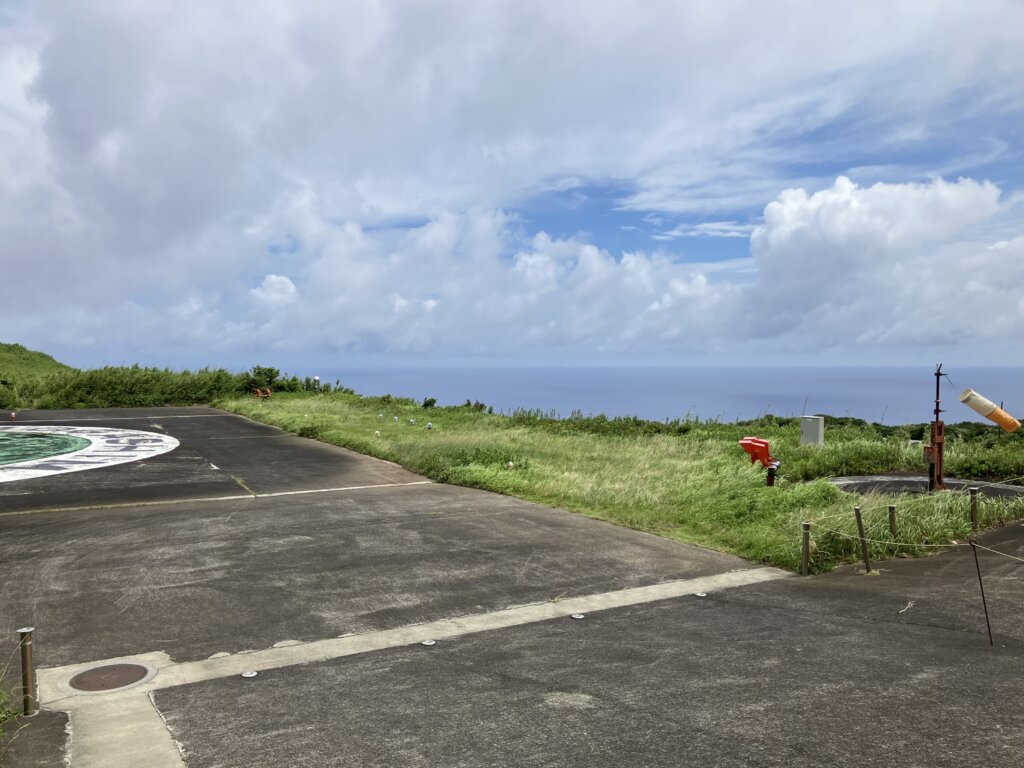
(106, 448)
(123, 729)
(126, 418)
(343, 488)
(207, 499)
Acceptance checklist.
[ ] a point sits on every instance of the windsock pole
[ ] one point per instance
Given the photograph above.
(935, 452)
(985, 407)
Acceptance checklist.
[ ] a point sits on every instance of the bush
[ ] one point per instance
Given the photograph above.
(112, 387)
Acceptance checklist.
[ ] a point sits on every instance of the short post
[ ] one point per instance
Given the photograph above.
(863, 539)
(771, 476)
(892, 520)
(974, 508)
(28, 674)
(805, 557)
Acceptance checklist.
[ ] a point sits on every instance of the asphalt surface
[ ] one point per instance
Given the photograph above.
(841, 669)
(724, 680)
(220, 455)
(909, 482)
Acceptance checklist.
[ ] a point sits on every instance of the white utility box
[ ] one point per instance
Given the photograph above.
(812, 430)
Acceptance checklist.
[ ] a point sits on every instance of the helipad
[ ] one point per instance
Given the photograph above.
(61, 449)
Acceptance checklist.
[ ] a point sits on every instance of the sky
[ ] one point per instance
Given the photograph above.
(528, 182)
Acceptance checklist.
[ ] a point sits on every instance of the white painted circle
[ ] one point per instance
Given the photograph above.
(107, 448)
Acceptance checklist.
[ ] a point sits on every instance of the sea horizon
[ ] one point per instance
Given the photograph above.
(883, 394)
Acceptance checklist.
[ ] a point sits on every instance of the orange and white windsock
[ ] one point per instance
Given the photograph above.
(989, 410)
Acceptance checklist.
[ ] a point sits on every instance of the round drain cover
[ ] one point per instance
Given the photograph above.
(108, 678)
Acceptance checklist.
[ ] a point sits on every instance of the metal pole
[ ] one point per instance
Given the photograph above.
(892, 520)
(974, 548)
(28, 674)
(805, 558)
(863, 540)
(974, 508)
(935, 479)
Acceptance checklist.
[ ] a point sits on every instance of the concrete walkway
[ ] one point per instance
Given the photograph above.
(324, 571)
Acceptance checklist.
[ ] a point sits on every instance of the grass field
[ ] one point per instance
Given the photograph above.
(688, 480)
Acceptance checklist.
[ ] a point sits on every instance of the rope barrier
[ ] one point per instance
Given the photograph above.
(891, 543)
(997, 552)
(922, 499)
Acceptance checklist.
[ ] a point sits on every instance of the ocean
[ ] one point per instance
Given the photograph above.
(889, 395)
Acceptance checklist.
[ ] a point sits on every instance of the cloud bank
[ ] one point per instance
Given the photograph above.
(192, 184)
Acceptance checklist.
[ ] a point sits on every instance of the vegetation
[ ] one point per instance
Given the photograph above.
(16, 360)
(7, 712)
(7, 706)
(19, 367)
(683, 479)
(29, 382)
(686, 480)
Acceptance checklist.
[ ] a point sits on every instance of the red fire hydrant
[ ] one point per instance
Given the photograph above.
(759, 450)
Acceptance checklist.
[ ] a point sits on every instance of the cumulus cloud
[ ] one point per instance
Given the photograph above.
(154, 157)
(275, 291)
(890, 264)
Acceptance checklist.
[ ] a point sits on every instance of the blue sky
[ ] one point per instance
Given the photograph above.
(500, 183)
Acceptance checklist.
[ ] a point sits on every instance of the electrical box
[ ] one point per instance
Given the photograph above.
(812, 430)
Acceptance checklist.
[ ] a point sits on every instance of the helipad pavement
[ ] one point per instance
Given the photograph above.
(395, 622)
(244, 538)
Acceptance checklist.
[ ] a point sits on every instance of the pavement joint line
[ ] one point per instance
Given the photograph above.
(53, 687)
(124, 728)
(211, 499)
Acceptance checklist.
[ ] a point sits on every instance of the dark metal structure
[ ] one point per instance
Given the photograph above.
(934, 452)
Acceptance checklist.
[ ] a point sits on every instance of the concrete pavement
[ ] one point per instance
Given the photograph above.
(724, 680)
(829, 670)
(245, 537)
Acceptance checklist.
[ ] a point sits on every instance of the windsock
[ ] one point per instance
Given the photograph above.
(989, 410)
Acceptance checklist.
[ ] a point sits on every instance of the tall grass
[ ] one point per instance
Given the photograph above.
(7, 711)
(925, 524)
(687, 480)
(136, 386)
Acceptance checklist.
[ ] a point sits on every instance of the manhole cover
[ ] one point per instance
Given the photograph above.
(108, 678)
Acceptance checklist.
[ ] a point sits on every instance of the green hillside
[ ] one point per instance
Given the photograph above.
(17, 362)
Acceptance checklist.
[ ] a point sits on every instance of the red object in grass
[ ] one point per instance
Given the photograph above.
(759, 450)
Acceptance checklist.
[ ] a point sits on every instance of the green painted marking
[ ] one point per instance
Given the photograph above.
(27, 446)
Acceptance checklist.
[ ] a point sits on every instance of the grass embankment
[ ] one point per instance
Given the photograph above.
(20, 368)
(29, 381)
(686, 480)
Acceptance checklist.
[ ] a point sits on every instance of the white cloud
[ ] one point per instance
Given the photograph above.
(152, 153)
(275, 291)
(707, 229)
(892, 265)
